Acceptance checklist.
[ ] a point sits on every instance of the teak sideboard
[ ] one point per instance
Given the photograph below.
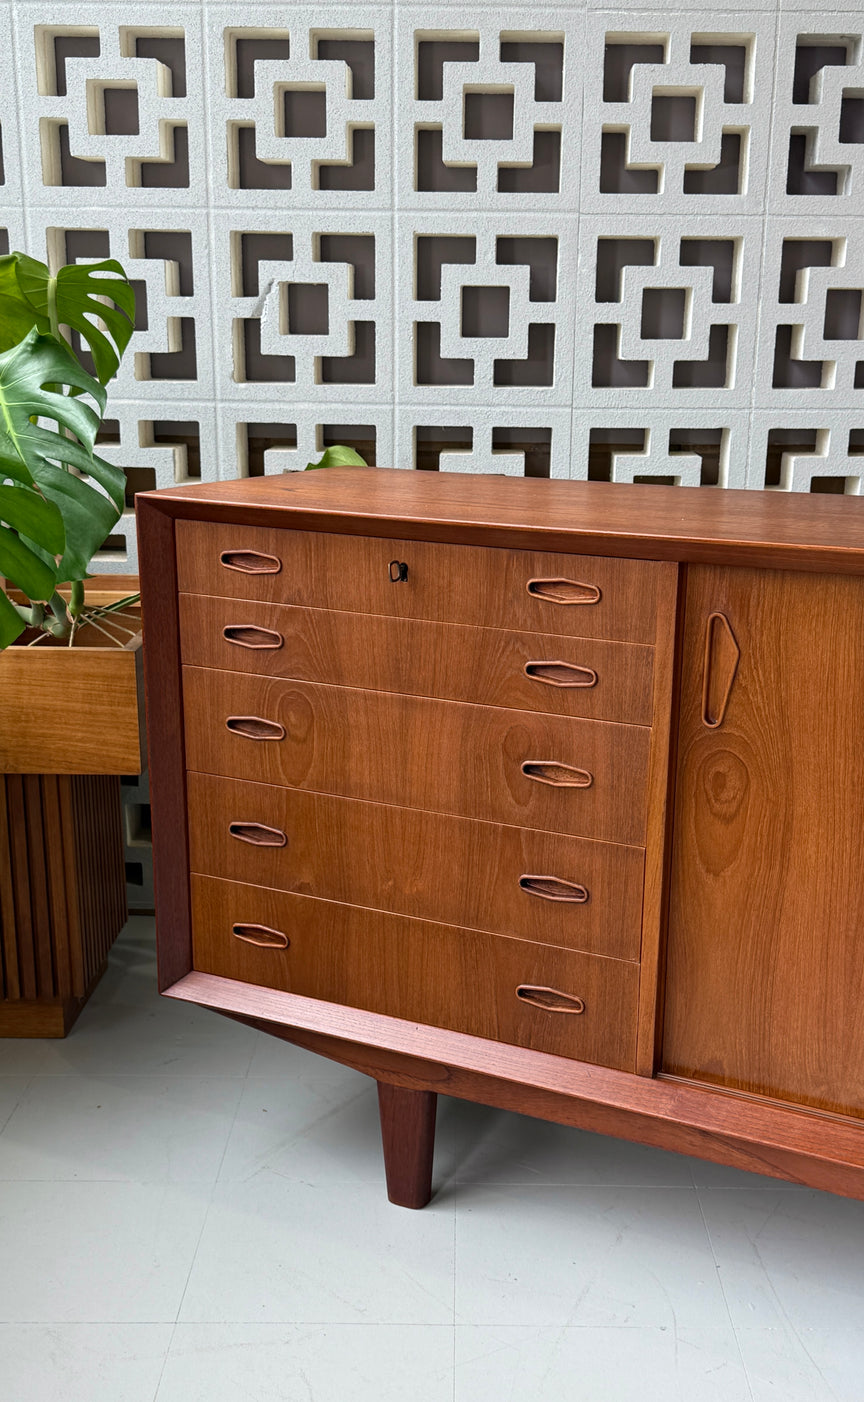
(543, 794)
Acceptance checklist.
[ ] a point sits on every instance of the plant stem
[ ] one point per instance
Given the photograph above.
(76, 598)
(52, 308)
(62, 625)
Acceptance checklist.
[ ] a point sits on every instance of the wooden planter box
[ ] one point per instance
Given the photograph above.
(71, 722)
(74, 710)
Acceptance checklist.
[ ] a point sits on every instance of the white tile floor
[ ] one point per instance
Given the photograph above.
(193, 1212)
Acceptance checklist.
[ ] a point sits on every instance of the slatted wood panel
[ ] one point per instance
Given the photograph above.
(62, 890)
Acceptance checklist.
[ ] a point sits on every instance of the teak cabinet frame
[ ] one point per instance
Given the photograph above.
(743, 1122)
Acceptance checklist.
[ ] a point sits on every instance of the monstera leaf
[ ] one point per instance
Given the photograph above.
(42, 457)
(31, 297)
(29, 518)
(337, 456)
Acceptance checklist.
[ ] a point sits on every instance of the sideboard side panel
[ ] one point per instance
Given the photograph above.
(166, 741)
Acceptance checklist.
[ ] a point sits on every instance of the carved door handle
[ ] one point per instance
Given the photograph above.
(722, 655)
(554, 888)
(561, 776)
(255, 727)
(250, 635)
(250, 562)
(258, 834)
(551, 1000)
(261, 935)
(564, 591)
(561, 674)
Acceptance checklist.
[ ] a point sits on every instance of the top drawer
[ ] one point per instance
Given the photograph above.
(575, 595)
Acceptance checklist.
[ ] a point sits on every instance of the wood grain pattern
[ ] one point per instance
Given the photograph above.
(62, 896)
(721, 1027)
(783, 530)
(445, 583)
(417, 658)
(438, 755)
(432, 973)
(766, 975)
(819, 1150)
(408, 1138)
(420, 864)
(661, 791)
(166, 741)
(98, 687)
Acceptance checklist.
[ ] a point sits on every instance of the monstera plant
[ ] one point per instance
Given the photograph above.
(58, 499)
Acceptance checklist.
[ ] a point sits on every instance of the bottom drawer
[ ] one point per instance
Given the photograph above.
(468, 981)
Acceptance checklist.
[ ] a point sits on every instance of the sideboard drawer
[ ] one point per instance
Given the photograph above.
(490, 666)
(587, 778)
(424, 971)
(575, 595)
(537, 886)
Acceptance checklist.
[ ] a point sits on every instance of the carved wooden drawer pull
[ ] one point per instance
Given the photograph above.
(250, 562)
(258, 834)
(554, 888)
(561, 674)
(551, 1000)
(256, 727)
(722, 655)
(562, 776)
(250, 635)
(261, 935)
(564, 591)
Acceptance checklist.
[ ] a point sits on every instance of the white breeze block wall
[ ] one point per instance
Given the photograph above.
(623, 244)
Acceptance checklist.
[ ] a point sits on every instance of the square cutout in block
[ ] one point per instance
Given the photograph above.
(305, 112)
(488, 116)
(308, 309)
(663, 310)
(673, 117)
(485, 311)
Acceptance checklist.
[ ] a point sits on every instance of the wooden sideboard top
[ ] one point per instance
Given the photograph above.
(788, 530)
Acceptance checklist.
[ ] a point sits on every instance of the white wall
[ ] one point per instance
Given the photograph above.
(621, 242)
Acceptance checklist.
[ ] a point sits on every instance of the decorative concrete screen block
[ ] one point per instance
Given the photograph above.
(307, 304)
(678, 107)
(798, 451)
(300, 106)
(687, 448)
(504, 441)
(10, 164)
(817, 164)
(274, 436)
(159, 443)
(489, 319)
(671, 317)
(812, 332)
(169, 265)
(610, 242)
(494, 116)
(113, 102)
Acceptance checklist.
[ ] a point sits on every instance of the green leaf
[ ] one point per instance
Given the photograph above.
(12, 625)
(30, 514)
(88, 516)
(24, 568)
(17, 317)
(74, 297)
(35, 454)
(338, 456)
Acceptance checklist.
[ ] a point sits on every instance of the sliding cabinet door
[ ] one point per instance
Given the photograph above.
(765, 971)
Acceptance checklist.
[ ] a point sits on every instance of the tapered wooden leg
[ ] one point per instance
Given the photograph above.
(408, 1135)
